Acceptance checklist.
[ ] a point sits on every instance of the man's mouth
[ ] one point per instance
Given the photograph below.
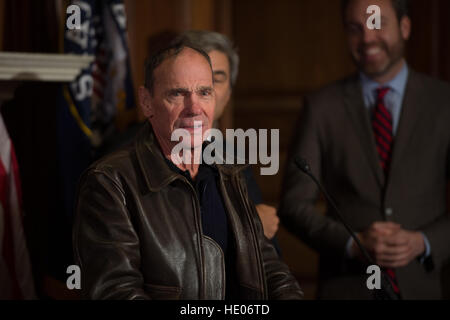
(372, 51)
(190, 125)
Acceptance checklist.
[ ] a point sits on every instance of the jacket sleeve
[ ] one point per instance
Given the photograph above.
(106, 246)
(437, 232)
(281, 284)
(298, 210)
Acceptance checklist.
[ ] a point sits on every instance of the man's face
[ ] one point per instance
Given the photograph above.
(376, 52)
(183, 93)
(221, 71)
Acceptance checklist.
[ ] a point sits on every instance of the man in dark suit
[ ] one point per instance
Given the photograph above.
(380, 143)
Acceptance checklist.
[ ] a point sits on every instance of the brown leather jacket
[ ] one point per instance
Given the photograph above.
(138, 235)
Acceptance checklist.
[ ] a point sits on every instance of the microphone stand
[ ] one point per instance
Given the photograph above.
(387, 292)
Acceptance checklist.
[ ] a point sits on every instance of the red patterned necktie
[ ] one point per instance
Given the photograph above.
(382, 128)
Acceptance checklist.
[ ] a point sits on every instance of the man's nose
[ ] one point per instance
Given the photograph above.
(192, 104)
(369, 36)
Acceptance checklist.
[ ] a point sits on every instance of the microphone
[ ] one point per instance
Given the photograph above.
(388, 292)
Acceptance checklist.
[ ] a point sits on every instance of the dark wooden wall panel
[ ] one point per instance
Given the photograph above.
(2, 22)
(428, 50)
(288, 46)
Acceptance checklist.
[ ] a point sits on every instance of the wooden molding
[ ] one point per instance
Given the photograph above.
(16, 66)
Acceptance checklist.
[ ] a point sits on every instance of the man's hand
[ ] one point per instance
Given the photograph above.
(405, 246)
(269, 219)
(373, 239)
(390, 245)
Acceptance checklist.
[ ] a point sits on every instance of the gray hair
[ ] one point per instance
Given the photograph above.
(209, 41)
(172, 50)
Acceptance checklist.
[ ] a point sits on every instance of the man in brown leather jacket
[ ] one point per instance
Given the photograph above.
(146, 228)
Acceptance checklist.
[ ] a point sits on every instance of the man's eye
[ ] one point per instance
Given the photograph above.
(205, 92)
(353, 29)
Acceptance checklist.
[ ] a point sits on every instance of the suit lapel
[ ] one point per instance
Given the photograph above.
(408, 118)
(354, 104)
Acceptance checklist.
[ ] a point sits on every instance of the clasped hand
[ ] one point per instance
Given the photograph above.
(390, 245)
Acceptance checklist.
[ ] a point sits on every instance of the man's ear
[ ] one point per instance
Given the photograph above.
(405, 27)
(145, 102)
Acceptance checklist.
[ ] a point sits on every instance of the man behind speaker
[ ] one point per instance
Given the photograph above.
(380, 143)
(225, 64)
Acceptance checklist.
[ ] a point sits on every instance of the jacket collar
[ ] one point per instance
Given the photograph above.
(354, 103)
(413, 101)
(156, 172)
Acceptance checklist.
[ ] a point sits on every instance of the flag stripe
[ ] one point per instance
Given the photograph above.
(8, 243)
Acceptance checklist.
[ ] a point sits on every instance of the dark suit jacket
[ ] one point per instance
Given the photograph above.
(335, 136)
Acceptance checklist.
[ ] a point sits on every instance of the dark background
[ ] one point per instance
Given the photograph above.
(287, 49)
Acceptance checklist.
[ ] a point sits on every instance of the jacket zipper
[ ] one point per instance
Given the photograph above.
(197, 216)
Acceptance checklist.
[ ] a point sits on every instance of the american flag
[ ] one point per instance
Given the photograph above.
(16, 280)
(98, 96)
